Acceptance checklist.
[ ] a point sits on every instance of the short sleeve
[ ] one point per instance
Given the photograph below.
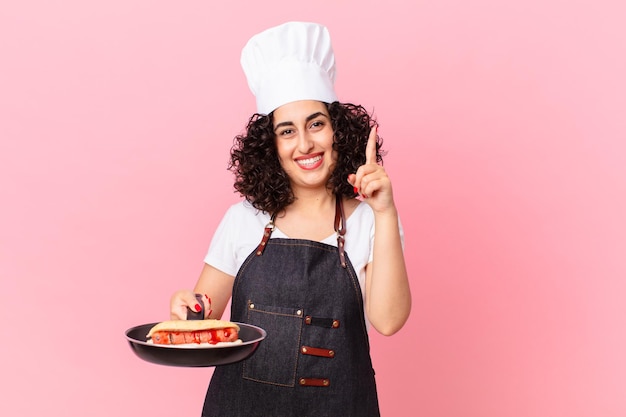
(222, 253)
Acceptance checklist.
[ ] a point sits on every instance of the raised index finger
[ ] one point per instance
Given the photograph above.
(370, 149)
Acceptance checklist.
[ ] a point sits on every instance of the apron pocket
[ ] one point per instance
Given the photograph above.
(276, 358)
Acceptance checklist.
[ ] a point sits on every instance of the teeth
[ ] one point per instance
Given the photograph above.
(309, 161)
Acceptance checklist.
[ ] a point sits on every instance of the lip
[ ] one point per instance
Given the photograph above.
(310, 162)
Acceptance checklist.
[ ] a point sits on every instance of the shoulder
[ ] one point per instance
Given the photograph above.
(359, 212)
(240, 220)
(244, 211)
(363, 215)
(237, 235)
(360, 223)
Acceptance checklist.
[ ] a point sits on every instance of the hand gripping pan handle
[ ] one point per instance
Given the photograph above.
(196, 315)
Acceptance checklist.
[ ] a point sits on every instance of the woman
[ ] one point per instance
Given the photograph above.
(299, 257)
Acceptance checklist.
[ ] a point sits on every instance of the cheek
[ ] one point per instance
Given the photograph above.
(283, 151)
(284, 156)
(334, 157)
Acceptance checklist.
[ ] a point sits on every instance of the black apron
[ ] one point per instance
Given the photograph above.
(315, 359)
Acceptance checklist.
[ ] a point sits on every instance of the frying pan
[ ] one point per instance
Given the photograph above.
(195, 356)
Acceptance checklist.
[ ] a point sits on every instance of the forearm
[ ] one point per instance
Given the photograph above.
(388, 296)
(217, 285)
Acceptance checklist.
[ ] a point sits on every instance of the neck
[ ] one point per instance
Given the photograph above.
(313, 200)
(310, 216)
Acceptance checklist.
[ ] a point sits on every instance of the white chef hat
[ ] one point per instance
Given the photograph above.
(290, 62)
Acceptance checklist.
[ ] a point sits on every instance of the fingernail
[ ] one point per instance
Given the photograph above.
(356, 190)
(210, 311)
(197, 307)
(364, 196)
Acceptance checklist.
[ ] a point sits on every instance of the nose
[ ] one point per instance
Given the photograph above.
(305, 143)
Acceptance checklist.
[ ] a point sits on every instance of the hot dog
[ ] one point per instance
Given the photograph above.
(179, 332)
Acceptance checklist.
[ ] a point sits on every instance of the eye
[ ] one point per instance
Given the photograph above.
(316, 124)
(285, 132)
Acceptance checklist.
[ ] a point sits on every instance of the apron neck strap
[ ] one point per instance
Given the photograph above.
(267, 232)
(340, 228)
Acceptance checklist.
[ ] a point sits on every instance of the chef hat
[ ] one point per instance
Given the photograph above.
(290, 62)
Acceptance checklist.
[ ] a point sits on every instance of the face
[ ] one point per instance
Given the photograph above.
(304, 139)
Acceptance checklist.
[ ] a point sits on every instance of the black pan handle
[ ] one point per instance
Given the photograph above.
(196, 315)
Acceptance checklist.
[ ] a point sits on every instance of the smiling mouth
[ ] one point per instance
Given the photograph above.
(309, 162)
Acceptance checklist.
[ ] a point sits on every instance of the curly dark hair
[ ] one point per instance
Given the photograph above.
(259, 176)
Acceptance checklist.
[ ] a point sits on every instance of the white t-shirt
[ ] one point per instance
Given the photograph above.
(241, 230)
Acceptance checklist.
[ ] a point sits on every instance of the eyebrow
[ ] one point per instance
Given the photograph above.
(308, 119)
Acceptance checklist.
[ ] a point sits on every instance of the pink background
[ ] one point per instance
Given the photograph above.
(505, 123)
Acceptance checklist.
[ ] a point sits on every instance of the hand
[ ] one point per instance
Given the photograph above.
(371, 179)
(183, 299)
